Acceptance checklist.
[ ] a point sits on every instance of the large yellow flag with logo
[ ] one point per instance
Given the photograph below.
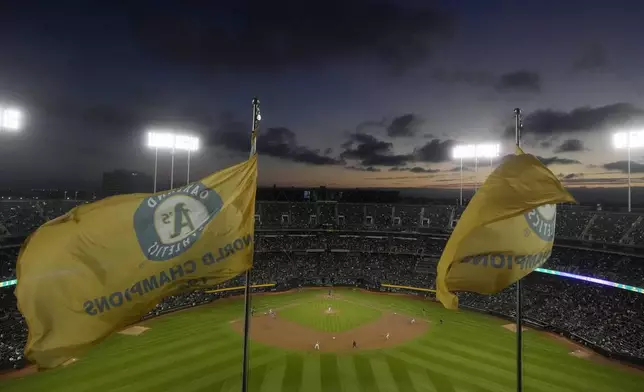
(102, 266)
(506, 231)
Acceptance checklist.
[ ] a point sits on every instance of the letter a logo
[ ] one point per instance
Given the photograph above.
(181, 220)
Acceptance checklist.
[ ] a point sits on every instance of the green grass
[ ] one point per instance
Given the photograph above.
(345, 316)
(196, 350)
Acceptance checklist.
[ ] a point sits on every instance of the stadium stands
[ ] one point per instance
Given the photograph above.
(334, 243)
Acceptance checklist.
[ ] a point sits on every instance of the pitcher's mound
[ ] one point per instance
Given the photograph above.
(135, 330)
(513, 327)
(330, 311)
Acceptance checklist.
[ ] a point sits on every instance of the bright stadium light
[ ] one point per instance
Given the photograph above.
(169, 140)
(628, 140)
(475, 151)
(11, 119)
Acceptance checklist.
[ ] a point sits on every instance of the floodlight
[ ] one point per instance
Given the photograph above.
(489, 150)
(11, 119)
(160, 140)
(187, 143)
(632, 139)
(628, 140)
(464, 151)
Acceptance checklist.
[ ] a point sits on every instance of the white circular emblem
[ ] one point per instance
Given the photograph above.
(541, 221)
(168, 224)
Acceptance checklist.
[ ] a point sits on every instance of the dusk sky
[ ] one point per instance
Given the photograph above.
(354, 93)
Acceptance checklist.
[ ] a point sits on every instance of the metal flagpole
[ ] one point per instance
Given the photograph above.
(629, 171)
(156, 162)
(256, 119)
(476, 170)
(172, 169)
(188, 177)
(519, 310)
(461, 182)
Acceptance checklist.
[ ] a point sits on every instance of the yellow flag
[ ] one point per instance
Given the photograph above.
(506, 231)
(101, 266)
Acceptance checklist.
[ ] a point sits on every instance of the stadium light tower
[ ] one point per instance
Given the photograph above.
(475, 151)
(168, 140)
(11, 119)
(628, 140)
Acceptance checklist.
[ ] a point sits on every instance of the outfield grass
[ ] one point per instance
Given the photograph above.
(196, 350)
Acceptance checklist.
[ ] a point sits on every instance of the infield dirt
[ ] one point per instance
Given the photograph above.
(290, 335)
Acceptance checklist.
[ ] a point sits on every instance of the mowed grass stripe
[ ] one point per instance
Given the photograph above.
(490, 367)
(293, 374)
(348, 377)
(454, 372)
(329, 374)
(256, 377)
(172, 376)
(534, 360)
(383, 375)
(473, 352)
(311, 377)
(88, 372)
(274, 376)
(399, 372)
(230, 369)
(366, 378)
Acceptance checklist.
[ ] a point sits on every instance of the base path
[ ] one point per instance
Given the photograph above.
(283, 333)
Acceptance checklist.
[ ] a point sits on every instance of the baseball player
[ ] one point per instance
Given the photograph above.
(355, 345)
(317, 345)
(329, 310)
(413, 321)
(387, 336)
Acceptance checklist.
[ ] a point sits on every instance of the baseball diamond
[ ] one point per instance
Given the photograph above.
(199, 349)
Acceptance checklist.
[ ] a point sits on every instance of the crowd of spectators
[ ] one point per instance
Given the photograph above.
(20, 217)
(397, 254)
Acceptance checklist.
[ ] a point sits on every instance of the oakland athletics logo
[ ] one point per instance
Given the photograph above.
(541, 221)
(168, 224)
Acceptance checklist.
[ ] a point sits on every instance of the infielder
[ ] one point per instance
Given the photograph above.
(317, 345)
(413, 320)
(387, 336)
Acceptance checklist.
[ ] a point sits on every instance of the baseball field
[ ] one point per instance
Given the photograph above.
(200, 350)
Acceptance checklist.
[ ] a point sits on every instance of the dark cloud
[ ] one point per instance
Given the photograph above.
(473, 78)
(435, 151)
(516, 81)
(275, 142)
(593, 58)
(545, 144)
(584, 119)
(416, 169)
(623, 166)
(363, 169)
(257, 35)
(365, 126)
(429, 136)
(519, 81)
(371, 151)
(557, 161)
(404, 126)
(570, 176)
(570, 145)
